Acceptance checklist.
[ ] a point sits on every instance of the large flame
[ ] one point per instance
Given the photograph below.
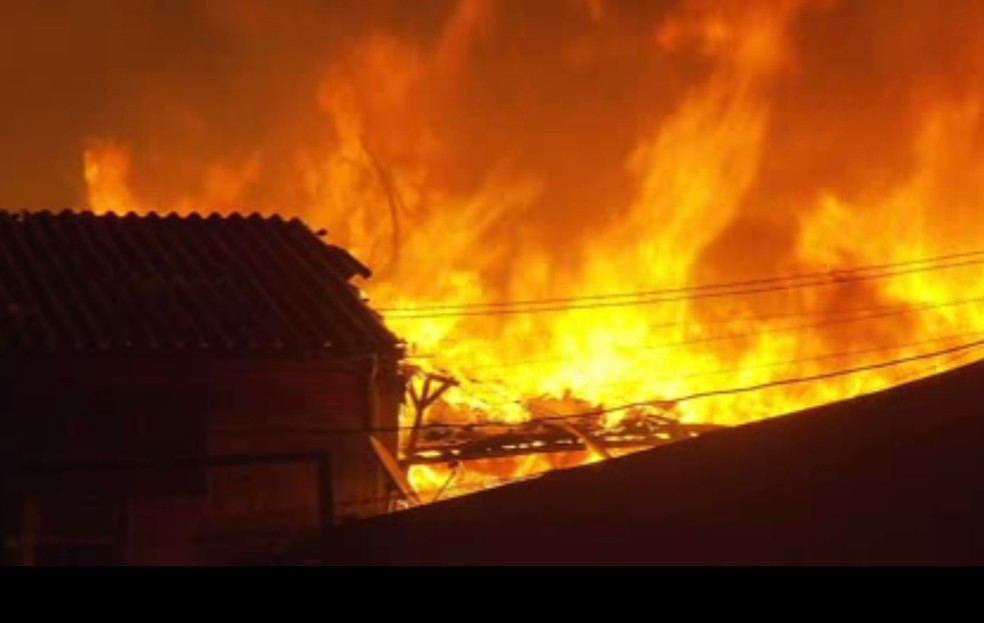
(636, 150)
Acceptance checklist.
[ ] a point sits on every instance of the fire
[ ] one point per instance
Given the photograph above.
(107, 171)
(522, 298)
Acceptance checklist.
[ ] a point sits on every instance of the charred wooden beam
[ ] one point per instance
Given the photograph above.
(589, 442)
(392, 467)
(456, 444)
(423, 401)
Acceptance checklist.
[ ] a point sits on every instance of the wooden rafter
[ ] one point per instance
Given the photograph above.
(424, 400)
(439, 445)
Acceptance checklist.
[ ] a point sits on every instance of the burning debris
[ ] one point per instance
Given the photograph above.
(574, 429)
(451, 444)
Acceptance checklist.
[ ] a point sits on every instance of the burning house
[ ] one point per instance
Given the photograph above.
(184, 389)
(596, 226)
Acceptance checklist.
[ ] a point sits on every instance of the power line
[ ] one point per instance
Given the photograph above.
(780, 383)
(834, 281)
(842, 313)
(738, 288)
(774, 364)
(836, 321)
(792, 362)
(683, 289)
(468, 487)
(962, 348)
(959, 349)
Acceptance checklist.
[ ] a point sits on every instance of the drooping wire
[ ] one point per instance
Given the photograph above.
(713, 339)
(787, 363)
(684, 294)
(848, 315)
(958, 349)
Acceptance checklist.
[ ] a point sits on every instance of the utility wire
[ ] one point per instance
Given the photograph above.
(842, 313)
(731, 391)
(780, 383)
(684, 289)
(740, 288)
(683, 299)
(787, 363)
(486, 484)
(472, 487)
(836, 321)
(961, 348)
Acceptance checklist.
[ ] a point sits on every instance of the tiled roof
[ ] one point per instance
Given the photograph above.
(221, 284)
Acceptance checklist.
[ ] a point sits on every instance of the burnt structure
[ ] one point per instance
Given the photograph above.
(893, 478)
(184, 389)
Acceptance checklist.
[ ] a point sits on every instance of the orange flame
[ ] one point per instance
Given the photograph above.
(388, 178)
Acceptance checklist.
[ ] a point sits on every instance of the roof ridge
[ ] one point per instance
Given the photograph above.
(227, 215)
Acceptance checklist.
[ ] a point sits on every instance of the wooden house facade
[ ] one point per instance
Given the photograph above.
(184, 390)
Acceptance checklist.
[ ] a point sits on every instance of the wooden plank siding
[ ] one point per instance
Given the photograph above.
(109, 410)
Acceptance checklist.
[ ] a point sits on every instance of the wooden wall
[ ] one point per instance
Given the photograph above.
(107, 410)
